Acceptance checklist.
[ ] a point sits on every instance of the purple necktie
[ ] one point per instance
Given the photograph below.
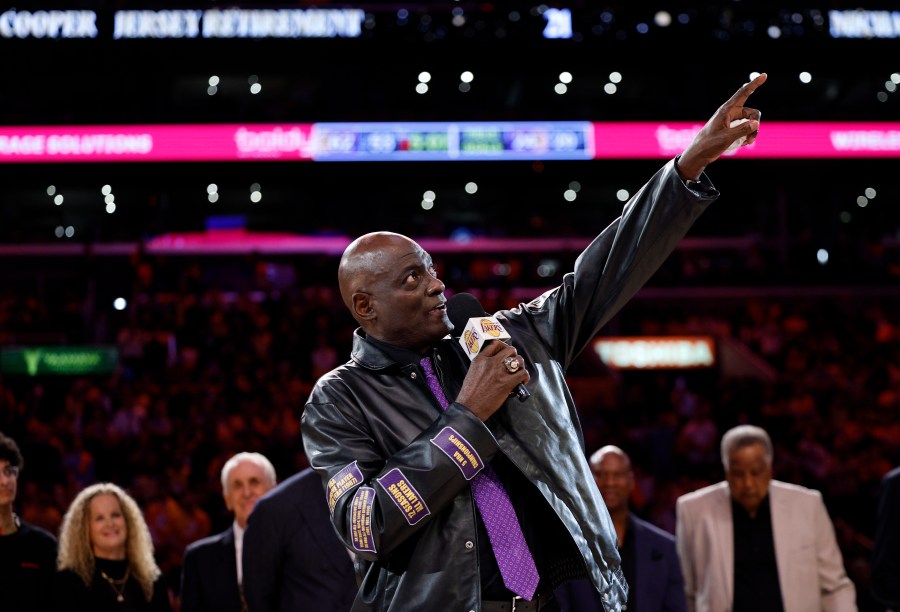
(507, 540)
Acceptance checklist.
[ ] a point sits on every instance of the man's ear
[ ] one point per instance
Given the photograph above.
(363, 307)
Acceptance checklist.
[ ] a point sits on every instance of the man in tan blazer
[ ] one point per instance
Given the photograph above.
(753, 543)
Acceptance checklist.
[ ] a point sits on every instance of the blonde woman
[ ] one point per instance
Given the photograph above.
(105, 558)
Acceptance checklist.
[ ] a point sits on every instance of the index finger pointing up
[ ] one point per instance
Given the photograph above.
(741, 95)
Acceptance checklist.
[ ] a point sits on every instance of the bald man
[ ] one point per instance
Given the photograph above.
(457, 497)
(649, 558)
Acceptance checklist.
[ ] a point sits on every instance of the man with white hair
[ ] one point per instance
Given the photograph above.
(211, 574)
(754, 543)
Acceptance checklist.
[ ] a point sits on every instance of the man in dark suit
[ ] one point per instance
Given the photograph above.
(649, 558)
(885, 582)
(293, 559)
(212, 571)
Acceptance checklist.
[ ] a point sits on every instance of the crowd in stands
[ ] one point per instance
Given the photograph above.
(212, 365)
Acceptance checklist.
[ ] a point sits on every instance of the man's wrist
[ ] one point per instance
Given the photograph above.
(683, 175)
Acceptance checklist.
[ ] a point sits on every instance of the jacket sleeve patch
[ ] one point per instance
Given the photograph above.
(342, 482)
(460, 452)
(361, 520)
(405, 496)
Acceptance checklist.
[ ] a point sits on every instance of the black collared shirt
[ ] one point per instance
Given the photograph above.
(756, 585)
(543, 531)
(492, 587)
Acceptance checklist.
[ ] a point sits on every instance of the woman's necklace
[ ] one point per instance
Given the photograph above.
(118, 586)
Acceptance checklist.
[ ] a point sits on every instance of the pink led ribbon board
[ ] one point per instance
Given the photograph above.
(437, 141)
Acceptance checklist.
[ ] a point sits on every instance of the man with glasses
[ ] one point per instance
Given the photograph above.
(27, 552)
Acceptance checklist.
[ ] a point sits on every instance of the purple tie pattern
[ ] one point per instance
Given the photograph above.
(514, 560)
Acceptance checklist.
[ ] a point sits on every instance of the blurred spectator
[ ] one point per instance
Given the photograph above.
(212, 571)
(649, 560)
(27, 552)
(78, 462)
(43, 509)
(106, 556)
(173, 515)
(323, 357)
(730, 536)
(696, 442)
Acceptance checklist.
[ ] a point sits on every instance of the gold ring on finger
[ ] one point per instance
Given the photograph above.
(512, 364)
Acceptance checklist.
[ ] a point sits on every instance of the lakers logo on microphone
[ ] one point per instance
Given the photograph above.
(492, 328)
(479, 331)
(470, 338)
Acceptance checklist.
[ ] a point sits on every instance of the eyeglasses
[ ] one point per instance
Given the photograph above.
(10, 471)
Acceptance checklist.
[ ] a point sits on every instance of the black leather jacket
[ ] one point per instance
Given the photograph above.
(405, 505)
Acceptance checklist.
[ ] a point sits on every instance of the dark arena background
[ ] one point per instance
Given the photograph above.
(179, 179)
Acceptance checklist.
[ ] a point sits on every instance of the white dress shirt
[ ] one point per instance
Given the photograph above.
(239, 550)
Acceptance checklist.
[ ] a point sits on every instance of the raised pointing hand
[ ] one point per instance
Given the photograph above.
(714, 138)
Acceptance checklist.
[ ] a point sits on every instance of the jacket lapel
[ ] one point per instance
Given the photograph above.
(783, 528)
(724, 527)
(228, 565)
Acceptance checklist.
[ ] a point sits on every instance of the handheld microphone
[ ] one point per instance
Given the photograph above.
(475, 327)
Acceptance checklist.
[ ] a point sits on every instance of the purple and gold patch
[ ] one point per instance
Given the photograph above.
(361, 519)
(460, 451)
(404, 496)
(342, 482)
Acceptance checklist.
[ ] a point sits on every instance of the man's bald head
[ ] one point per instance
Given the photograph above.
(611, 467)
(364, 260)
(610, 449)
(392, 290)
